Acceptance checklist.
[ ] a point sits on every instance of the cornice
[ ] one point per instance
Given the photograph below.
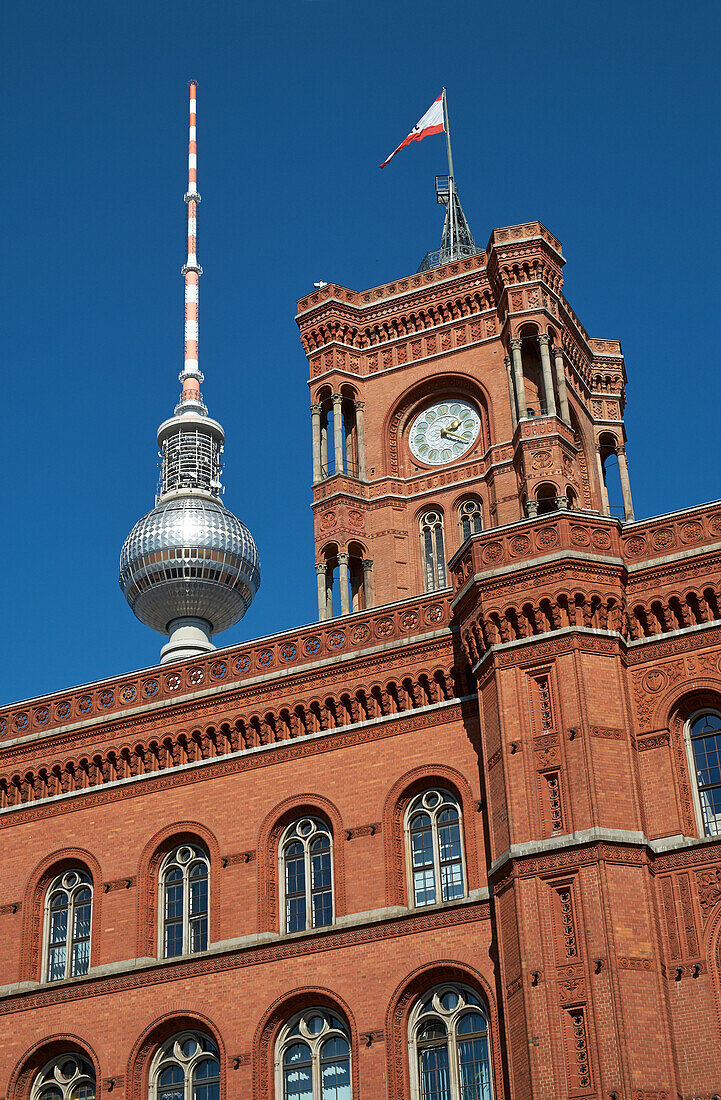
(241, 760)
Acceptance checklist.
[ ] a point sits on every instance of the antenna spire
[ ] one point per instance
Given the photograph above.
(191, 376)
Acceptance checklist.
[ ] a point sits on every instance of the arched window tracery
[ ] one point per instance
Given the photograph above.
(434, 847)
(66, 1077)
(704, 734)
(184, 881)
(306, 875)
(185, 1067)
(448, 1046)
(470, 518)
(313, 1058)
(433, 554)
(68, 918)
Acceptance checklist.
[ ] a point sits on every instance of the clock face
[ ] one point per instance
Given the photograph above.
(444, 431)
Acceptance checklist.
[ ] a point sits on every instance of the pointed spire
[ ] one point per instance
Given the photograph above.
(191, 376)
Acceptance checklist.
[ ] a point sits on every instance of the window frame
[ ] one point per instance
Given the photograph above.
(691, 759)
(451, 1019)
(440, 583)
(165, 1056)
(57, 884)
(288, 837)
(199, 852)
(416, 804)
(286, 1039)
(67, 1087)
(478, 511)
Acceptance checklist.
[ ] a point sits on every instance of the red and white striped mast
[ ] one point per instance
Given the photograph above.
(191, 376)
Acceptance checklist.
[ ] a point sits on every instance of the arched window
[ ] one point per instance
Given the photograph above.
(470, 518)
(186, 1067)
(435, 849)
(448, 1043)
(313, 1058)
(68, 914)
(705, 738)
(67, 1077)
(183, 888)
(432, 550)
(306, 872)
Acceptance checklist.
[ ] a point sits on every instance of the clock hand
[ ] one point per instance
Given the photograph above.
(456, 438)
(451, 428)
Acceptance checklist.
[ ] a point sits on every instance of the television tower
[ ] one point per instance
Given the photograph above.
(189, 568)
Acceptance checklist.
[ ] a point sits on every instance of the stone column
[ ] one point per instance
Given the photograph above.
(605, 506)
(338, 431)
(550, 400)
(324, 448)
(561, 384)
(361, 438)
(343, 580)
(531, 508)
(518, 379)
(511, 391)
(368, 581)
(315, 430)
(320, 569)
(625, 484)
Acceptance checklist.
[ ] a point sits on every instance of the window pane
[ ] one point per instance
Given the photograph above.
(171, 1083)
(424, 881)
(56, 963)
(82, 918)
(59, 924)
(435, 1079)
(173, 940)
(199, 934)
(297, 1079)
(206, 1081)
(82, 1092)
(174, 901)
(428, 560)
(335, 1069)
(320, 864)
(80, 963)
(474, 1069)
(295, 914)
(440, 554)
(295, 873)
(198, 896)
(322, 909)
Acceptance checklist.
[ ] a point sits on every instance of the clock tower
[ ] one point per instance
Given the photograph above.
(463, 397)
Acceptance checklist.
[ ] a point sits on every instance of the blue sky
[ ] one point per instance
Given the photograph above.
(600, 119)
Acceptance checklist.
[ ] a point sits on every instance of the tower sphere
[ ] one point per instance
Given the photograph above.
(189, 557)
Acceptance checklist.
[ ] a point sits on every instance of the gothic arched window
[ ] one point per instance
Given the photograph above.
(448, 1044)
(313, 1058)
(186, 1067)
(67, 1077)
(705, 738)
(432, 550)
(183, 888)
(306, 874)
(470, 518)
(435, 848)
(68, 915)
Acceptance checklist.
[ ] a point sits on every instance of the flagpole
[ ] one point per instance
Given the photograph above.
(453, 234)
(447, 127)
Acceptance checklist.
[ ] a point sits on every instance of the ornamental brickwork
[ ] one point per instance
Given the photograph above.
(541, 659)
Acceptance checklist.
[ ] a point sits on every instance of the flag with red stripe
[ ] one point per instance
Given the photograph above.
(431, 123)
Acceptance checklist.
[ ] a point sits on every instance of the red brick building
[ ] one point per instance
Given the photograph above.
(459, 839)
